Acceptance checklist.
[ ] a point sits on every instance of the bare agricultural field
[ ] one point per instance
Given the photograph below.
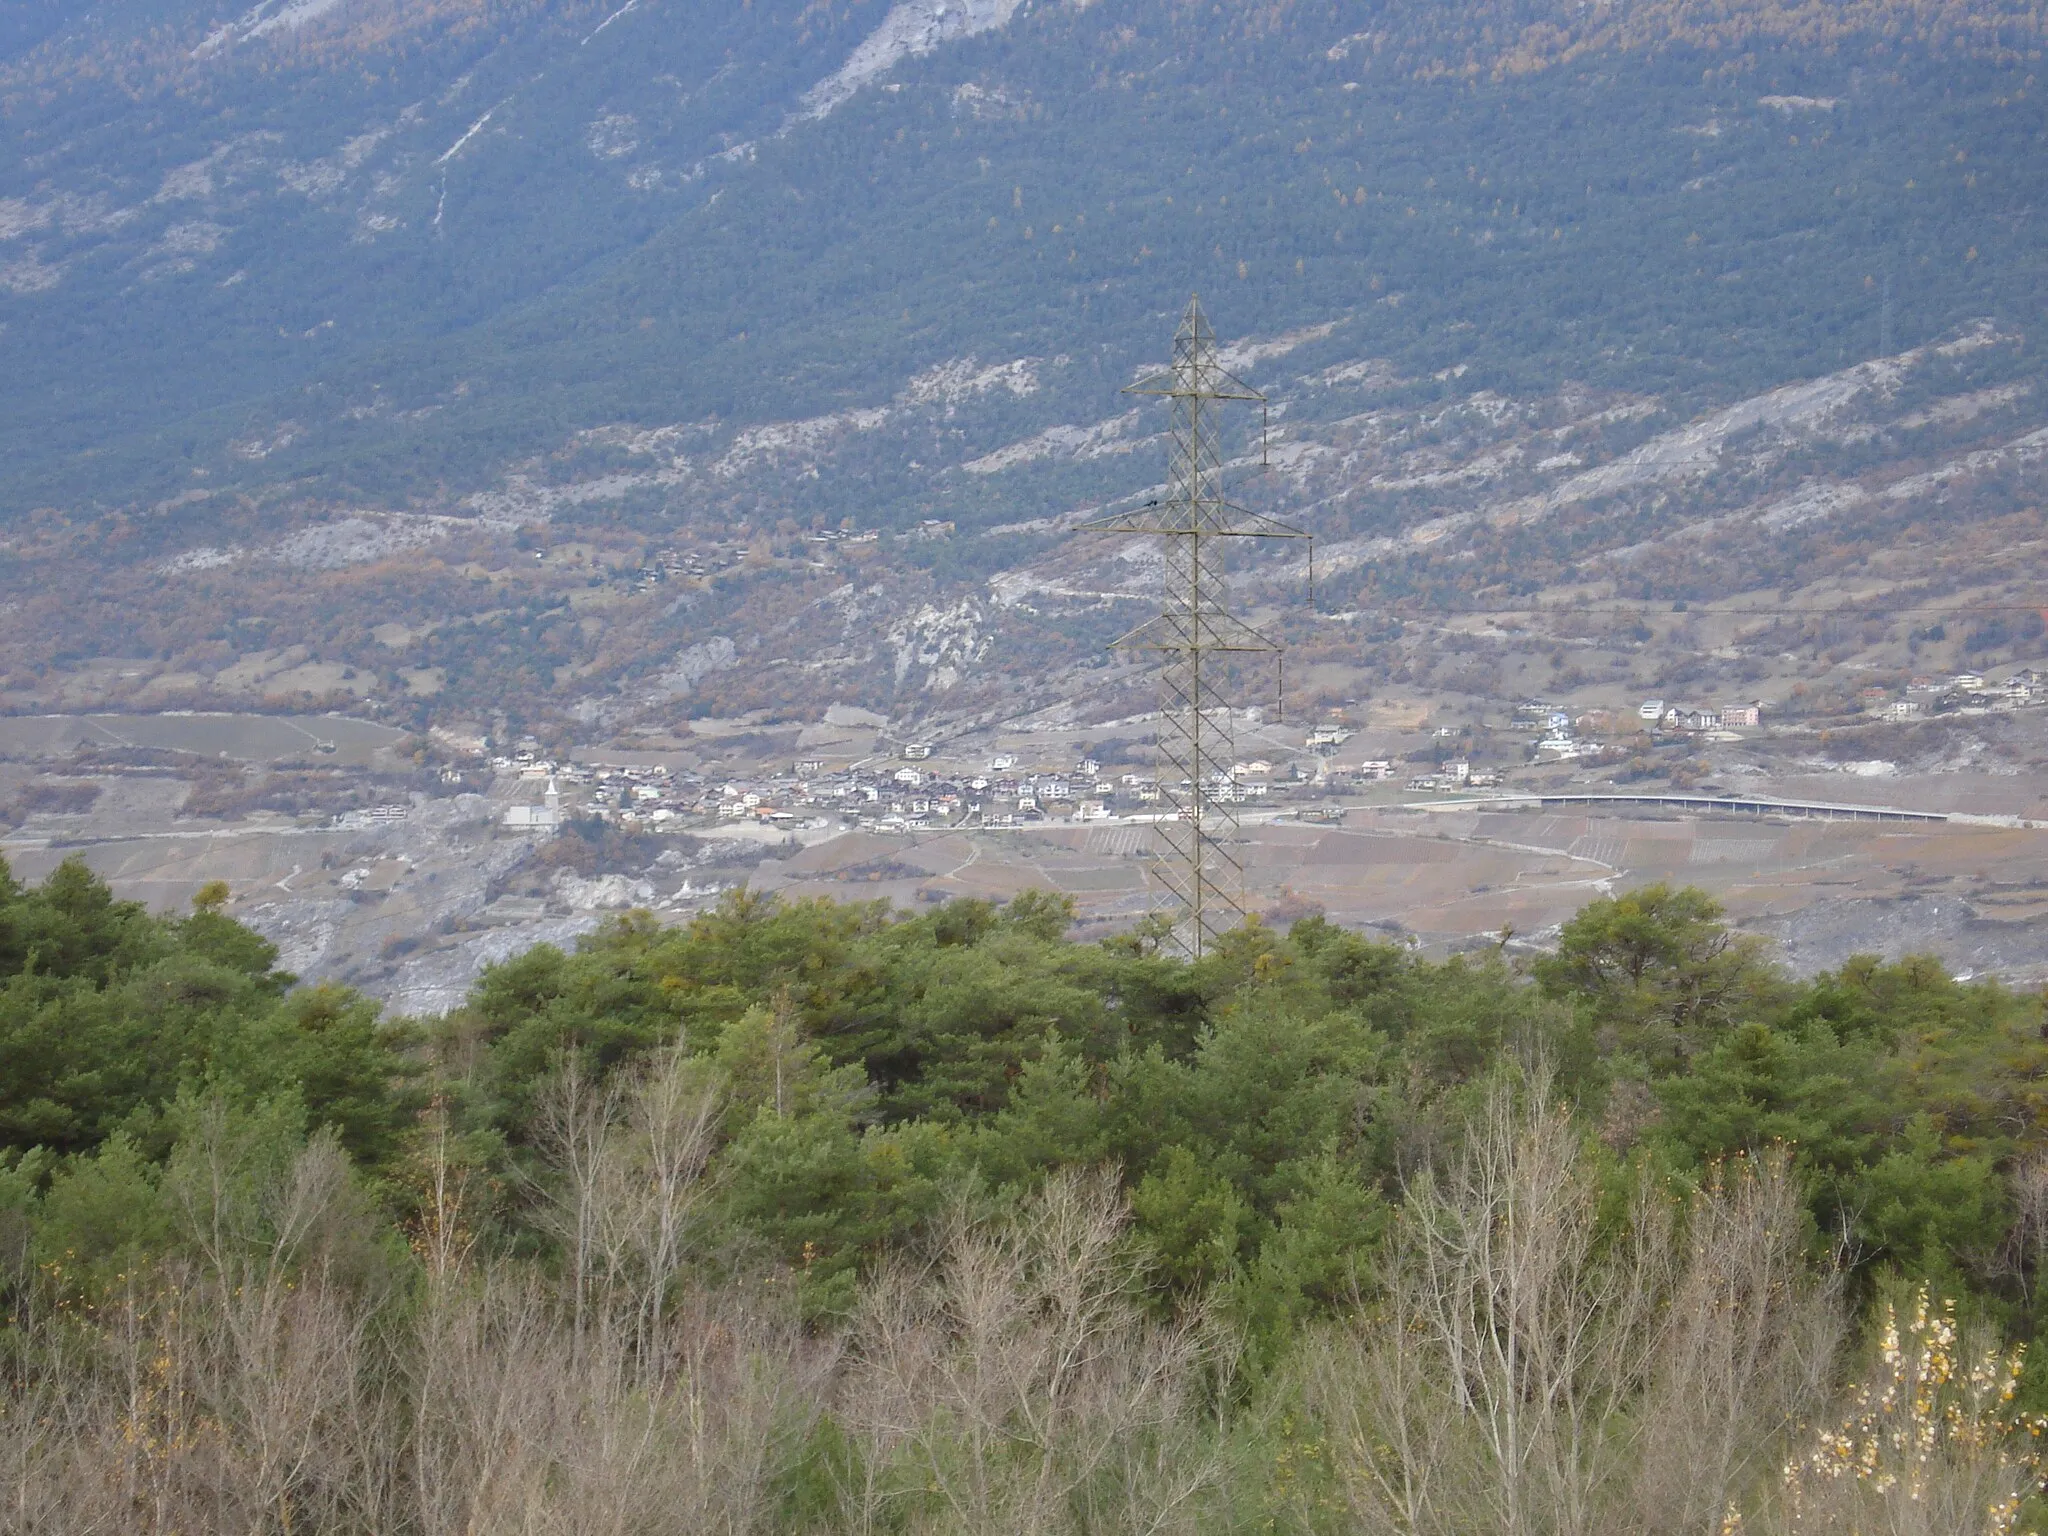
(163, 870)
(337, 739)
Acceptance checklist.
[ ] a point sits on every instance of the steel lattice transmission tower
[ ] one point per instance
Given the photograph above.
(1199, 876)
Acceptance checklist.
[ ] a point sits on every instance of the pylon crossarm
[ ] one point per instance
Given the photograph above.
(1119, 522)
(1170, 384)
(1256, 525)
(1214, 520)
(1205, 631)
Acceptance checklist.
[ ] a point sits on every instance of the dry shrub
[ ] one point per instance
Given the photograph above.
(258, 1386)
(217, 1394)
(1744, 1350)
(198, 1409)
(69, 797)
(1015, 1385)
(1529, 1368)
(625, 1400)
(1927, 1446)
(1533, 1362)
(517, 1423)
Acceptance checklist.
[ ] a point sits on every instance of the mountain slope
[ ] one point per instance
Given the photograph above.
(399, 246)
(567, 367)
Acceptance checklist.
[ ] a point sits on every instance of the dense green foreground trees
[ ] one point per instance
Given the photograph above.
(813, 1217)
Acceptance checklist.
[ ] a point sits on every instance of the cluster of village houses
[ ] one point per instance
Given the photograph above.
(1964, 693)
(907, 791)
(1564, 735)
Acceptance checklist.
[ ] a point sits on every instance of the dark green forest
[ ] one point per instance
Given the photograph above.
(814, 1216)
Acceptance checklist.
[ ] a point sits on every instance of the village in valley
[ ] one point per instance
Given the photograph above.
(863, 778)
(407, 862)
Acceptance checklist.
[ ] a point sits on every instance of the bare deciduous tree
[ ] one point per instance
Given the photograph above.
(1530, 1368)
(1747, 1347)
(1016, 1386)
(627, 1160)
(572, 1125)
(1547, 1349)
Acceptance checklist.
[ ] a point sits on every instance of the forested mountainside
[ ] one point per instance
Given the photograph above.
(556, 367)
(376, 251)
(818, 1217)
